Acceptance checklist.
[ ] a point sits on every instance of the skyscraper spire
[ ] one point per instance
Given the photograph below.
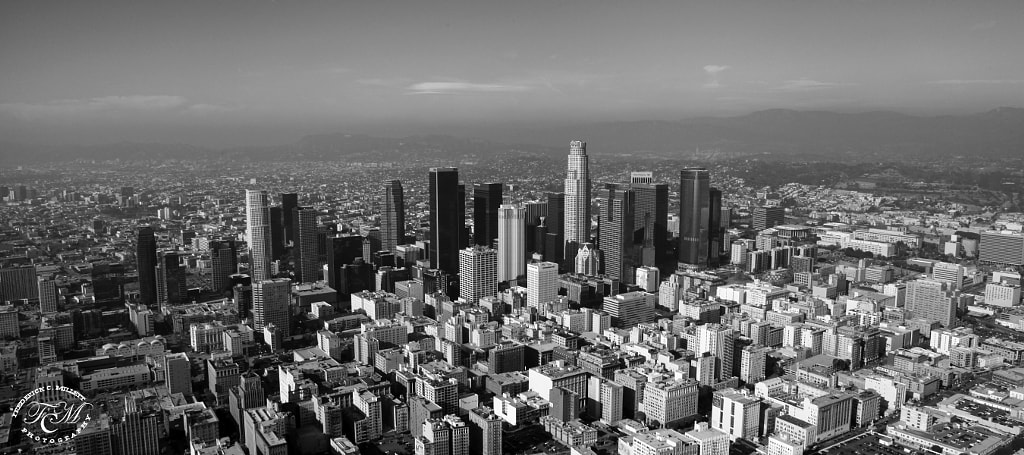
(577, 195)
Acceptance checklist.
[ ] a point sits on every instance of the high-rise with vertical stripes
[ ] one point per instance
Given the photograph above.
(577, 195)
(694, 216)
(257, 220)
(447, 218)
(511, 241)
(145, 260)
(305, 249)
(393, 222)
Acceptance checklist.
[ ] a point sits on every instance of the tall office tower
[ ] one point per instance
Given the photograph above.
(145, 261)
(717, 340)
(136, 433)
(1001, 247)
(932, 300)
(178, 373)
(257, 219)
(224, 259)
(479, 273)
(752, 363)
(289, 201)
(484, 431)
(511, 241)
(305, 251)
(541, 283)
(487, 199)
(393, 222)
(588, 260)
(48, 295)
(342, 251)
(171, 285)
(577, 196)
(651, 216)
(694, 199)
(554, 244)
(270, 304)
(735, 414)
(615, 233)
(447, 219)
(277, 242)
(536, 212)
(716, 233)
(767, 217)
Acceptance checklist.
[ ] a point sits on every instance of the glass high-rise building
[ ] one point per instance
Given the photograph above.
(554, 247)
(694, 216)
(577, 195)
(305, 249)
(487, 198)
(145, 260)
(616, 233)
(511, 241)
(224, 258)
(257, 219)
(650, 218)
(289, 201)
(447, 218)
(393, 224)
(270, 299)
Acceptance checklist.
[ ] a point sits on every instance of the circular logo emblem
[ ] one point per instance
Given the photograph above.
(63, 415)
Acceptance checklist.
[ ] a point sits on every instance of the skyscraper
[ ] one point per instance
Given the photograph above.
(289, 201)
(145, 257)
(393, 222)
(447, 218)
(341, 251)
(716, 233)
(650, 217)
(178, 373)
(511, 241)
(270, 299)
(479, 273)
(171, 286)
(577, 196)
(694, 216)
(535, 214)
(554, 247)
(305, 250)
(48, 295)
(541, 283)
(487, 199)
(277, 242)
(257, 218)
(224, 259)
(717, 340)
(615, 233)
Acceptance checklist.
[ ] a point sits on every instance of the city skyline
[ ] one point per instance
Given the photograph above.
(200, 73)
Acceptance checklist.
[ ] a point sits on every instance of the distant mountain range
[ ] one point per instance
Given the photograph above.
(818, 135)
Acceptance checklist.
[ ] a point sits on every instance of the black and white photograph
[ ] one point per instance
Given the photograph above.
(524, 227)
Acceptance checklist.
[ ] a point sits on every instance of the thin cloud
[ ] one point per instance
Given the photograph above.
(976, 81)
(134, 104)
(713, 72)
(456, 88)
(715, 69)
(798, 85)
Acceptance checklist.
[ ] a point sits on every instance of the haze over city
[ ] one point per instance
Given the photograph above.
(248, 73)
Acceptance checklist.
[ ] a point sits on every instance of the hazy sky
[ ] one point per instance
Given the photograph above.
(244, 72)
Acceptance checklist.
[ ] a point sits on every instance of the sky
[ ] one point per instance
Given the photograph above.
(225, 72)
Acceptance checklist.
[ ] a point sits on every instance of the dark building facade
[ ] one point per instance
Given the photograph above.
(487, 198)
(145, 257)
(447, 219)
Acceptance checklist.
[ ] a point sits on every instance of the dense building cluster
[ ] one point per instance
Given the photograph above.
(633, 317)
